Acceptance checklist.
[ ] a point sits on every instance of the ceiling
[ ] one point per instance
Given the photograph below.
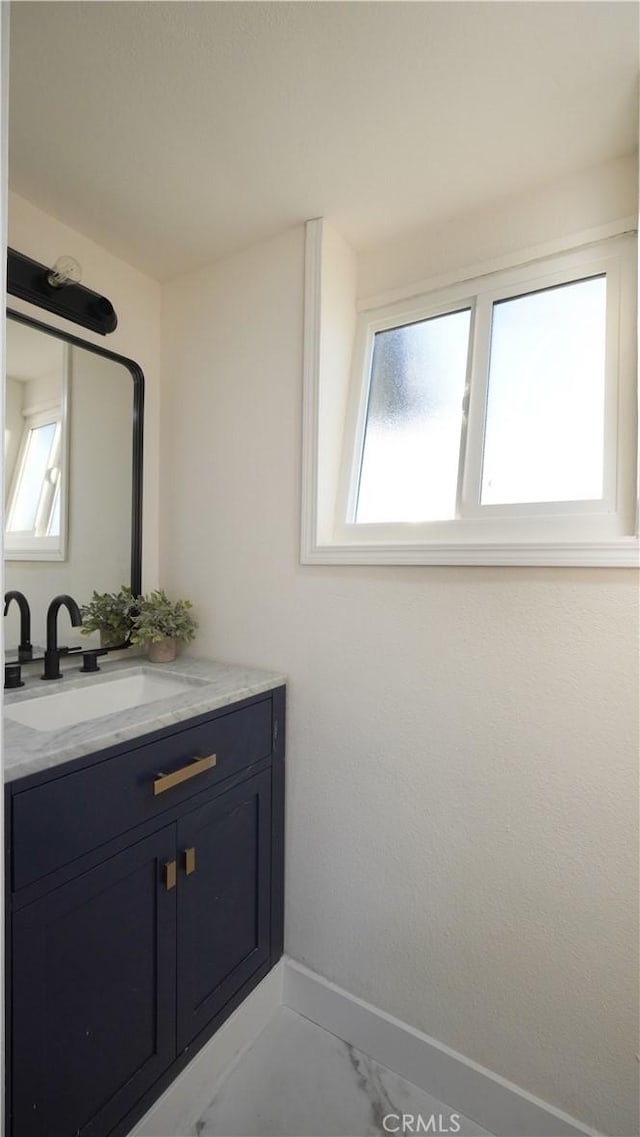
(177, 133)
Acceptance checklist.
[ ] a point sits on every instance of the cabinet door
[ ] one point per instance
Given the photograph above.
(224, 860)
(94, 994)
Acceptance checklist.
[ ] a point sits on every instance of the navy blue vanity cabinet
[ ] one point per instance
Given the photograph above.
(135, 939)
(93, 994)
(224, 907)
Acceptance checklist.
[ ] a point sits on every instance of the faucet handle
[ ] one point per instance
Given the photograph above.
(90, 659)
(12, 676)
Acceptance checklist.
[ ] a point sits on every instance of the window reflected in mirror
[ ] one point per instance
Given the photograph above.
(36, 445)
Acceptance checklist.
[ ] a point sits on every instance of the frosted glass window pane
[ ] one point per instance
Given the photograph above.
(544, 434)
(34, 470)
(411, 451)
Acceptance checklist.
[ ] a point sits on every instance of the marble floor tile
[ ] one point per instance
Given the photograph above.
(297, 1080)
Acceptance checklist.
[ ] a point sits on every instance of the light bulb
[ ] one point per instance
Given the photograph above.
(66, 270)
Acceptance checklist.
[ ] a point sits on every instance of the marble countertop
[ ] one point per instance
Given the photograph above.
(211, 686)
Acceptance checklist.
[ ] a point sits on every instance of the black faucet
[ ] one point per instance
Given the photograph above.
(25, 650)
(53, 652)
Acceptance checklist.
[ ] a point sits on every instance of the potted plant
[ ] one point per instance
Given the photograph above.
(161, 624)
(111, 614)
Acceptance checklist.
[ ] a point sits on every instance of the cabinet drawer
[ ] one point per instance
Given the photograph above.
(61, 820)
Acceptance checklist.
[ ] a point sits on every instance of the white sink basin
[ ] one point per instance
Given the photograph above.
(67, 708)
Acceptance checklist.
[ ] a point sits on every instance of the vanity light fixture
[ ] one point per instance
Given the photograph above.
(58, 290)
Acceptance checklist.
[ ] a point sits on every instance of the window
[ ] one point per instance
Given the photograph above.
(412, 428)
(495, 421)
(546, 396)
(33, 510)
(36, 509)
(543, 422)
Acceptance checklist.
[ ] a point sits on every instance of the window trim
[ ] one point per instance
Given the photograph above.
(469, 541)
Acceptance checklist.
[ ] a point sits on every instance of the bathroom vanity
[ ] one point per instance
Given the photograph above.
(144, 885)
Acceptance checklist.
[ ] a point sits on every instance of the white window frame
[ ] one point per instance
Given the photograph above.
(602, 532)
(37, 545)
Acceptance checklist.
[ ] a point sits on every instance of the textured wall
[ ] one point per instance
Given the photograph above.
(597, 196)
(462, 778)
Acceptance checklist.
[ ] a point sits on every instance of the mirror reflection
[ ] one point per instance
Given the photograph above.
(36, 452)
(70, 481)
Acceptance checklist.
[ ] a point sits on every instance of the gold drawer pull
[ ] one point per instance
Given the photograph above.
(169, 875)
(197, 766)
(189, 861)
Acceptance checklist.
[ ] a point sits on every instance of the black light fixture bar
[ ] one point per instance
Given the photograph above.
(30, 281)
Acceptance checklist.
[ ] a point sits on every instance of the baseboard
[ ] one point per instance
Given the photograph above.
(494, 1103)
(180, 1106)
(488, 1099)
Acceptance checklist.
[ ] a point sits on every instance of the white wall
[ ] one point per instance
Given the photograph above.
(462, 748)
(600, 195)
(137, 300)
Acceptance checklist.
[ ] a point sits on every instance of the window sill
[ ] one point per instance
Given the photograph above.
(621, 553)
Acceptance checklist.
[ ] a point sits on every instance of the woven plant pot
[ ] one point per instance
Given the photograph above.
(164, 651)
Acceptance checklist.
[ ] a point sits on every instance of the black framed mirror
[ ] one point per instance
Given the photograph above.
(73, 472)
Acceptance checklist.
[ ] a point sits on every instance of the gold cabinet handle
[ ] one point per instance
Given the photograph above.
(189, 861)
(197, 766)
(170, 875)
